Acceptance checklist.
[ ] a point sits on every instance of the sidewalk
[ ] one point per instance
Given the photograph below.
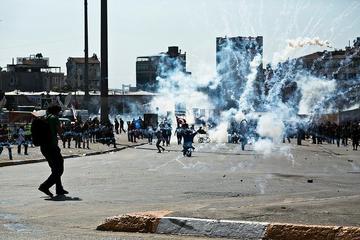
(34, 154)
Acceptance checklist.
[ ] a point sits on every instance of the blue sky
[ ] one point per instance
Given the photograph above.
(146, 27)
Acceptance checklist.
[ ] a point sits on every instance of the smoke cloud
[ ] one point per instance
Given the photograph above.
(235, 96)
(294, 44)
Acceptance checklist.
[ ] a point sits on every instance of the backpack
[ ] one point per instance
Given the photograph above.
(40, 131)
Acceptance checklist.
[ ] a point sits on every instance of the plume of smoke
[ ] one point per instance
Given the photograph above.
(246, 101)
(179, 87)
(240, 101)
(314, 92)
(264, 146)
(301, 42)
(271, 126)
(293, 44)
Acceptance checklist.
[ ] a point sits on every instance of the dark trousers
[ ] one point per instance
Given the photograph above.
(56, 163)
(25, 148)
(179, 138)
(158, 145)
(122, 128)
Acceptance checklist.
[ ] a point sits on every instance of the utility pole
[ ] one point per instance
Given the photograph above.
(86, 67)
(104, 63)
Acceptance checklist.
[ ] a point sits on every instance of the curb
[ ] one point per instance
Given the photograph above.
(157, 222)
(21, 162)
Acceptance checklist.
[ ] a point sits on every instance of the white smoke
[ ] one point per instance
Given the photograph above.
(301, 42)
(278, 116)
(246, 101)
(264, 146)
(271, 126)
(314, 91)
(182, 88)
(293, 44)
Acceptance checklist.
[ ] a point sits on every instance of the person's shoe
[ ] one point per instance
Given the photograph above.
(62, 192)
(46, 191)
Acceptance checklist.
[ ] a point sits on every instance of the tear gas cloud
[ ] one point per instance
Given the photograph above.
(236, 94)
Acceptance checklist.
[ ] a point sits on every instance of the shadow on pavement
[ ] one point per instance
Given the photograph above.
(63, 198)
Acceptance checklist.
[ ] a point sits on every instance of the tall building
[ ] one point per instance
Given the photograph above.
(233, 64)
(75, 73)
(31, 74)
(149, 68)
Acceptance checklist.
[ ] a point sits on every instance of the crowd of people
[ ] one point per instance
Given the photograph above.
(318, 133)
(136, 129)
(84, 133)
(79, 132)
(92, 131)
(21, 138)
(333, 133)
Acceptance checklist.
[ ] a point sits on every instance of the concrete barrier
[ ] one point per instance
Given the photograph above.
(159, 222)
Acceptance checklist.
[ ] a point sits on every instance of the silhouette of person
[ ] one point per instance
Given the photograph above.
(52, 154)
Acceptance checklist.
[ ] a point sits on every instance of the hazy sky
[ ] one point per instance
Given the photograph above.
(147, 27)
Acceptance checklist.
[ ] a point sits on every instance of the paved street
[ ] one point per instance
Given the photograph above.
(298, 184)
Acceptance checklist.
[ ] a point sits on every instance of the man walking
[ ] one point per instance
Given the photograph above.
(117, 125)
(160, 138)
(51, 152)
(122, 126)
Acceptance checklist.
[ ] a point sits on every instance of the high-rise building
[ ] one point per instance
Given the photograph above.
(149, 68)
(234, 56)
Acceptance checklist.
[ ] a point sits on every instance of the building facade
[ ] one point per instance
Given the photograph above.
(75, 73)
(31, 74)
(341, 65)
(149, 68)
(234, 56)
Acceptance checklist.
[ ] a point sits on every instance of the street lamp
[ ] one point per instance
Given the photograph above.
(104, 115)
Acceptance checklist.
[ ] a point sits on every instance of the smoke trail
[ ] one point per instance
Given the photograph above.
(246, 102)
(293, 44)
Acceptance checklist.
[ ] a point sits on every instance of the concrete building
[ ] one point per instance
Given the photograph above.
(342, 65)
(75, 73)
(339, 64)
(31, 73)
(149, 68)
(233, 58)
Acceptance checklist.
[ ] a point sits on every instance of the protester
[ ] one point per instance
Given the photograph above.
(179, 133)
(117, 125)
(150, 134)
(122, 126)
(52, 153)
(20, 140)
(160, 138)
(4, 140)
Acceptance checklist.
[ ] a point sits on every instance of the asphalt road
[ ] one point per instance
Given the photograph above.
(307, 184)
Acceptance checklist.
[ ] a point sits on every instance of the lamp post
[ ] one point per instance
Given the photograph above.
(104, 115)
(86, 50)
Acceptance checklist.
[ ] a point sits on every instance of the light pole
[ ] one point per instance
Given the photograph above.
(104, 115)
(86, 50)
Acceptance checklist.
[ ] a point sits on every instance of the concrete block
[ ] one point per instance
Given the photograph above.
(212, 228)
